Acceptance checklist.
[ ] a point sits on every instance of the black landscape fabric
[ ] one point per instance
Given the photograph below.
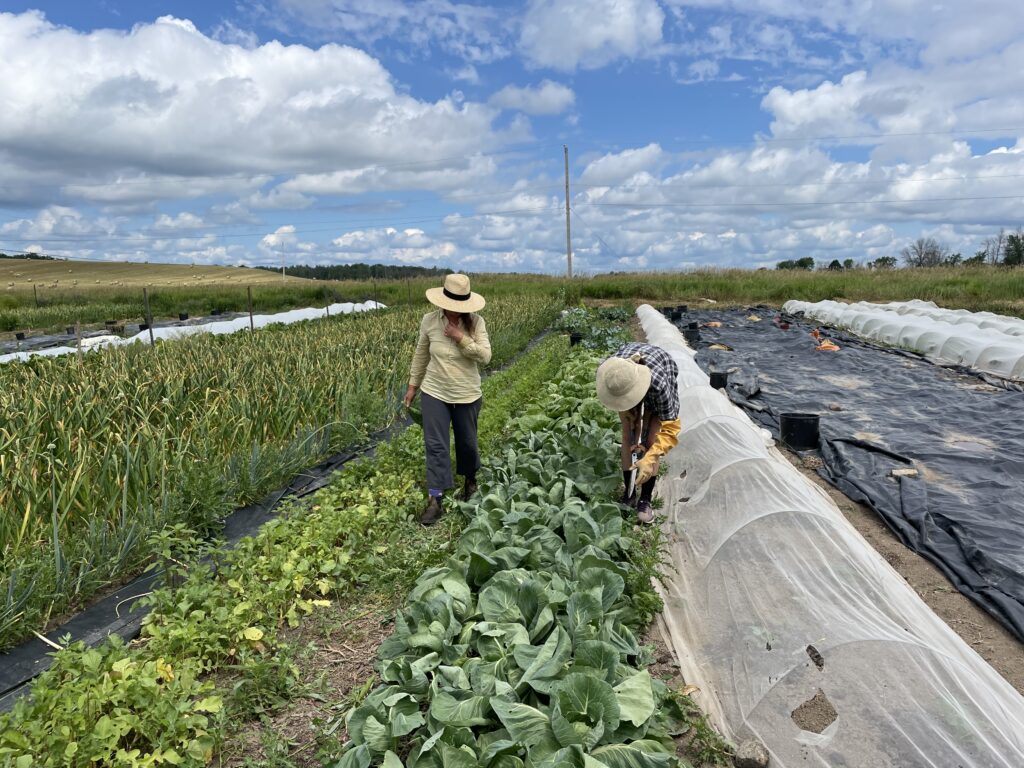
(883, 410)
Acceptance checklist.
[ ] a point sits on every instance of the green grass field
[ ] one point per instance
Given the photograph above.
(93, 292)
(976, 288)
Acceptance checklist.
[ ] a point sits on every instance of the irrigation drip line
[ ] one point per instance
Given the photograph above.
(115, 614)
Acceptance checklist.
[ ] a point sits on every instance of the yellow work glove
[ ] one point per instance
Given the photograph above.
(666, 439)
(646, 468)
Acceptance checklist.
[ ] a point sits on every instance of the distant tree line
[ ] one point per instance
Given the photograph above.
(1003, 249)
(30, 255)
(361, 271)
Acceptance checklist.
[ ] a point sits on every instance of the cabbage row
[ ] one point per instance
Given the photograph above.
(522, 650)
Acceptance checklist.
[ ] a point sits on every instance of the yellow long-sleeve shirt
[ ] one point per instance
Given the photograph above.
(446, 369)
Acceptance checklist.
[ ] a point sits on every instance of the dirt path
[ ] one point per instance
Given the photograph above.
(979, 630)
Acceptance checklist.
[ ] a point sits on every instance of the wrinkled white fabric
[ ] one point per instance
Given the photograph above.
(218, 328)
(988, 343)
(764, 565)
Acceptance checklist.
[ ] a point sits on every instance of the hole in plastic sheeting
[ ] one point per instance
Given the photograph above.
(816, 714)
(816, 657)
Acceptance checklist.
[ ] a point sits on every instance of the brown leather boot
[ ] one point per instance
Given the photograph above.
(468, 490)
(433, 511)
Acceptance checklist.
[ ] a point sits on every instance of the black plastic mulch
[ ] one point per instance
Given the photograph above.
(883, 410)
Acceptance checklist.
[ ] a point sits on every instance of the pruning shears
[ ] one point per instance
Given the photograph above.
(638, 450)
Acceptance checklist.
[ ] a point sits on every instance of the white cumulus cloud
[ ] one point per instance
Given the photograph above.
(547, 98)
(570, 34)
(164, 101)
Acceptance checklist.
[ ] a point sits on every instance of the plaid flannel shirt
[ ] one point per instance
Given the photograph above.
(663, 396)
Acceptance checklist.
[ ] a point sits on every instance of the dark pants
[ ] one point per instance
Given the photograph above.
(438, 417)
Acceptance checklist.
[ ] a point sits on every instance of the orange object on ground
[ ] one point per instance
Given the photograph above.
(713, 324)
(827, 346)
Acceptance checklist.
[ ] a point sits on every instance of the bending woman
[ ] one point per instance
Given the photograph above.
(452, 345)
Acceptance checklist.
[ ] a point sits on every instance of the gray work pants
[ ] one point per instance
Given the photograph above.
(438, 418)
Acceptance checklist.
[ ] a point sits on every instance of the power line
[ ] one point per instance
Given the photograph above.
(998, 132)
(594, 232)
(317, 171)
(641, 206)
(696, 186)
(257, 233)
(404, 201)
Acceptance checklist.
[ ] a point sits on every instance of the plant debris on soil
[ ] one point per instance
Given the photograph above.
(701, 744)
(338, 652)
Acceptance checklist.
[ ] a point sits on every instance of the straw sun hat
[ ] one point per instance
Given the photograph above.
(622, 383)
(456, 296)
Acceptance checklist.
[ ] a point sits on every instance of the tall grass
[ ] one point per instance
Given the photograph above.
(98, 452)
(975, 288)
(92, 305)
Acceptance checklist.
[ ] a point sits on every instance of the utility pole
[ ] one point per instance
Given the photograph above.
(568, 235)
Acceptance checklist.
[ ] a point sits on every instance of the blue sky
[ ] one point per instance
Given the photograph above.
(701, 132)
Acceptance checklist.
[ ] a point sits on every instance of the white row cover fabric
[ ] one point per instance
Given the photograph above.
(764, 566)
(991, 344)
(218, 328)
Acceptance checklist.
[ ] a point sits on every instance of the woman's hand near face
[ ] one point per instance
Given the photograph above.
(452, 330)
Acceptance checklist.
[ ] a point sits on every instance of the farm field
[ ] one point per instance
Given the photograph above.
(356, 542)
(100, 453)
(177, 289)
(308, 642)
(65, 274)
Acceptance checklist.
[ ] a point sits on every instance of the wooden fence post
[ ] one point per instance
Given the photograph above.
(149, 316)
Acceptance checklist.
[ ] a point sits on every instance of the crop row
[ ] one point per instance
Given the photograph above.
(522, 649)
(100, 452)
(158, 701)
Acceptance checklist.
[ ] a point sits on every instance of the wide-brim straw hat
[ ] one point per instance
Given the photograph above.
(622, 383)
(455, 295)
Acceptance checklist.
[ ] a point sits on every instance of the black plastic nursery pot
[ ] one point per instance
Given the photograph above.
(682, 308)
(19, 336)
(575, 338)
(692, 335)
(667, 311)
(71, 330)
(694, 325)
(719, 379)
(676, 314)
(110, 322)
(183, 315)
(799, 431)
(217, 312)
(143, 327)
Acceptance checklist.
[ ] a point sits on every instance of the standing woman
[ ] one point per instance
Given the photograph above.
(452, 345)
